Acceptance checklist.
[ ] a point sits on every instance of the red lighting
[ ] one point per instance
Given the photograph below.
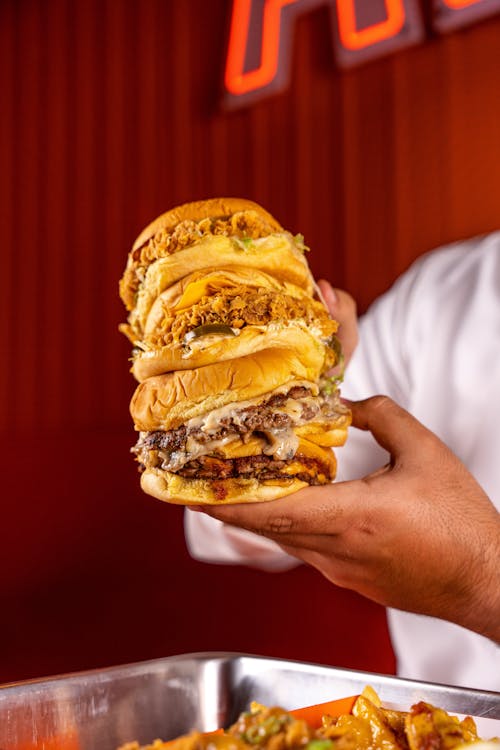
(458, 4)
(354, 39)
(453, 14)
(238, 81)
(262, 30)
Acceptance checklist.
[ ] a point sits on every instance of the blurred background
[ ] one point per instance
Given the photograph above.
(111, 114)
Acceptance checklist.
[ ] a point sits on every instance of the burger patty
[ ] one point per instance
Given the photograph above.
(174, 449)
(236, 307)
(258, 418)
(260, 467)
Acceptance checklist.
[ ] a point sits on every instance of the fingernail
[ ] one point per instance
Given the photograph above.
(333, 295)
(328, 291)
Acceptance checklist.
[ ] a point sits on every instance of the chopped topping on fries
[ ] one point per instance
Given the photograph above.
(368, 726)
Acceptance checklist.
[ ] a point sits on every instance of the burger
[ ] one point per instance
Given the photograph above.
(232, 346)
(217, 314)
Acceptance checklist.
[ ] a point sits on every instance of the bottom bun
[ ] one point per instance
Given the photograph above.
(172, 488)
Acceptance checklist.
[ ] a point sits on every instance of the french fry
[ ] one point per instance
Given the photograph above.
(383, 736)
(354, 723)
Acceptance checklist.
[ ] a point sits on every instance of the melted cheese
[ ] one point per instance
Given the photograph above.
(211, 422)
(282, 443)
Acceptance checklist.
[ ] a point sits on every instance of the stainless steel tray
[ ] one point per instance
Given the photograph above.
(163, 698)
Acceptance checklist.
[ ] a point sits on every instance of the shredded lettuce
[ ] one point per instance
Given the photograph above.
(242, 243)
(300, 243)
(329, 383)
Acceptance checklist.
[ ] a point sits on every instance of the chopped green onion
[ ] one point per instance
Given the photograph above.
(319, 745)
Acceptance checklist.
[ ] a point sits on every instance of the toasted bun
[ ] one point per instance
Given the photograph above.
(220, 348)
(184, 226)
(172, 488)
(192, 288)
(276, 255)
(213, 208)
(166, 401)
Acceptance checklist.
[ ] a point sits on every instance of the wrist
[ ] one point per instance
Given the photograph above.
(481, 611)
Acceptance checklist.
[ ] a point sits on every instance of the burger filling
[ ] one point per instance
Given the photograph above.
(236, 308)
(243, 226)
(262, 467)
(195, 448)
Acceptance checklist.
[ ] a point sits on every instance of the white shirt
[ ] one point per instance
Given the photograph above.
(432, 343)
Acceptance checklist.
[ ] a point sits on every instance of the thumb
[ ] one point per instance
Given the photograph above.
(342, 307)
(392, 426)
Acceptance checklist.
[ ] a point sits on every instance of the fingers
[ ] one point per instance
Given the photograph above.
(330, 509)
(342, 307)
(393, 428)
(290, 520)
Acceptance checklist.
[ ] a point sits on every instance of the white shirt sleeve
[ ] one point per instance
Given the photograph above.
(210, 540)
(375, 368)
(432, 343)
(380, 365)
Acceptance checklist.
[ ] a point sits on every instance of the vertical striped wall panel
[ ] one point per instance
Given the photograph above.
(110, 114)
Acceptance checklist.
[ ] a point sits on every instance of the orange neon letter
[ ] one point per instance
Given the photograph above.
(456, 4)
(353, 39)
(236, 80)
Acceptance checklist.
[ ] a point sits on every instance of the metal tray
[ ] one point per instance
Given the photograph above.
(101, 709)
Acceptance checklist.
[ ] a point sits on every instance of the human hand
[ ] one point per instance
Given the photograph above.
(342, 307)
(418, 534)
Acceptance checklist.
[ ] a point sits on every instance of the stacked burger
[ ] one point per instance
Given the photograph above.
(231, 348)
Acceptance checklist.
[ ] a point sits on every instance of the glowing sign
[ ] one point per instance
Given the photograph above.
(363, 29)
(354, 38)
(261, 33)
(236, 79)
(457, 4)
(451, 14)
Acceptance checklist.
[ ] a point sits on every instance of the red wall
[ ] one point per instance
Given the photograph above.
(110, 115)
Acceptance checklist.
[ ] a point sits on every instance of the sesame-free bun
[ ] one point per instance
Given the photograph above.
(231, 341)
(316, 462)
(191, 289)
(275, 254)
(213, 208)
(184, 226)
(279, 314)
(172, 488)
(220, 348)
(166, 401)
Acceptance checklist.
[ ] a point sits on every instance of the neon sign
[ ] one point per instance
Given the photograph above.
(260, 37)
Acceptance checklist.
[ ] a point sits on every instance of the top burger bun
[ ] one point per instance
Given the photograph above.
(215, 209)
(166, 401)
(184, 226)
(227, 313)
(276, 254)
(232, 344)
(219, 348)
